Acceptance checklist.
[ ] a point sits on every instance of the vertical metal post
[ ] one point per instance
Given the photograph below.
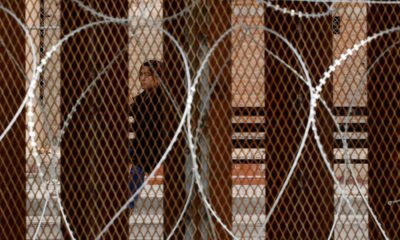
(94, 151)
(219, 122)
(306, 208)
(198, 218)
(206, 23)
(384, 122)
(13, 146)
(174, 76)
(196, 31)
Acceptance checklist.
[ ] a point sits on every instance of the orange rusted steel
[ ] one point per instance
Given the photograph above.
(94, 150)
(13, 146)
(306, 208)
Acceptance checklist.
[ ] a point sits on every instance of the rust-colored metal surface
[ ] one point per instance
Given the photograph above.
(12, 146)
(306, 210)
(94, 151)
(219, 125)
(174, 194)
(199, 31)
(383, 122)
(195, 119)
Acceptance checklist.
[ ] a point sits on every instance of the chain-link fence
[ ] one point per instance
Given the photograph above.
(202, 119)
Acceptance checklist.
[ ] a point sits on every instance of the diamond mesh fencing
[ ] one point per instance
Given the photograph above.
(201, 119)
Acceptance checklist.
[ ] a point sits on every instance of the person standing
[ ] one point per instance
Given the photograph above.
(150, 127)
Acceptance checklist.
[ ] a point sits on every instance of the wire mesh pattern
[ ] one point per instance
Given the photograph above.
(202, 119)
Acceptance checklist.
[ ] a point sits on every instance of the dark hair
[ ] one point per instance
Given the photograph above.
(155, 66)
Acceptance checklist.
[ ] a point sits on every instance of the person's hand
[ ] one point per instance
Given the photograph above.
(129, 168)
(131, 99)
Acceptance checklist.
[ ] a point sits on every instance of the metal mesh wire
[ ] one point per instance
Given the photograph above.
(257, 119)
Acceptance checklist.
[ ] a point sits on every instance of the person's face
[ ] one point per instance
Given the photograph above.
(147, 80)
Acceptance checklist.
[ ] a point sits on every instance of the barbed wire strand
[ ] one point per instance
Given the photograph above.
(41, 176)
(296, 13)
(246, 28)
(123, 20)
(393, 202)
(321, 99)
(35, 235)
(63, 215)
(375, 2)
(347, 158)
(174, 138)
(336, 218)
(31, 96)
(78, 102)
(40, 69)
(207, 100)
(32, 47)
(314, 100)
(140, 17)
(322, 82)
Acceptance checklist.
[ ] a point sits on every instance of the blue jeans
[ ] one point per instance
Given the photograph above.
(136, 180)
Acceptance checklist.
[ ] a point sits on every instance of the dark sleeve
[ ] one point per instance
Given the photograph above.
(133, 114)
(167, 125)
(133, 127)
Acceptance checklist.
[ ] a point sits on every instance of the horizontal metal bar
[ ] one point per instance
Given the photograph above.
(355, 111)
(260, 143)
(260, 127)
(44, 27)
(337, 111)
(248, 111)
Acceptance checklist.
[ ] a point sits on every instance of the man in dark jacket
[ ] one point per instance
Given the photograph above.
(149, 126)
